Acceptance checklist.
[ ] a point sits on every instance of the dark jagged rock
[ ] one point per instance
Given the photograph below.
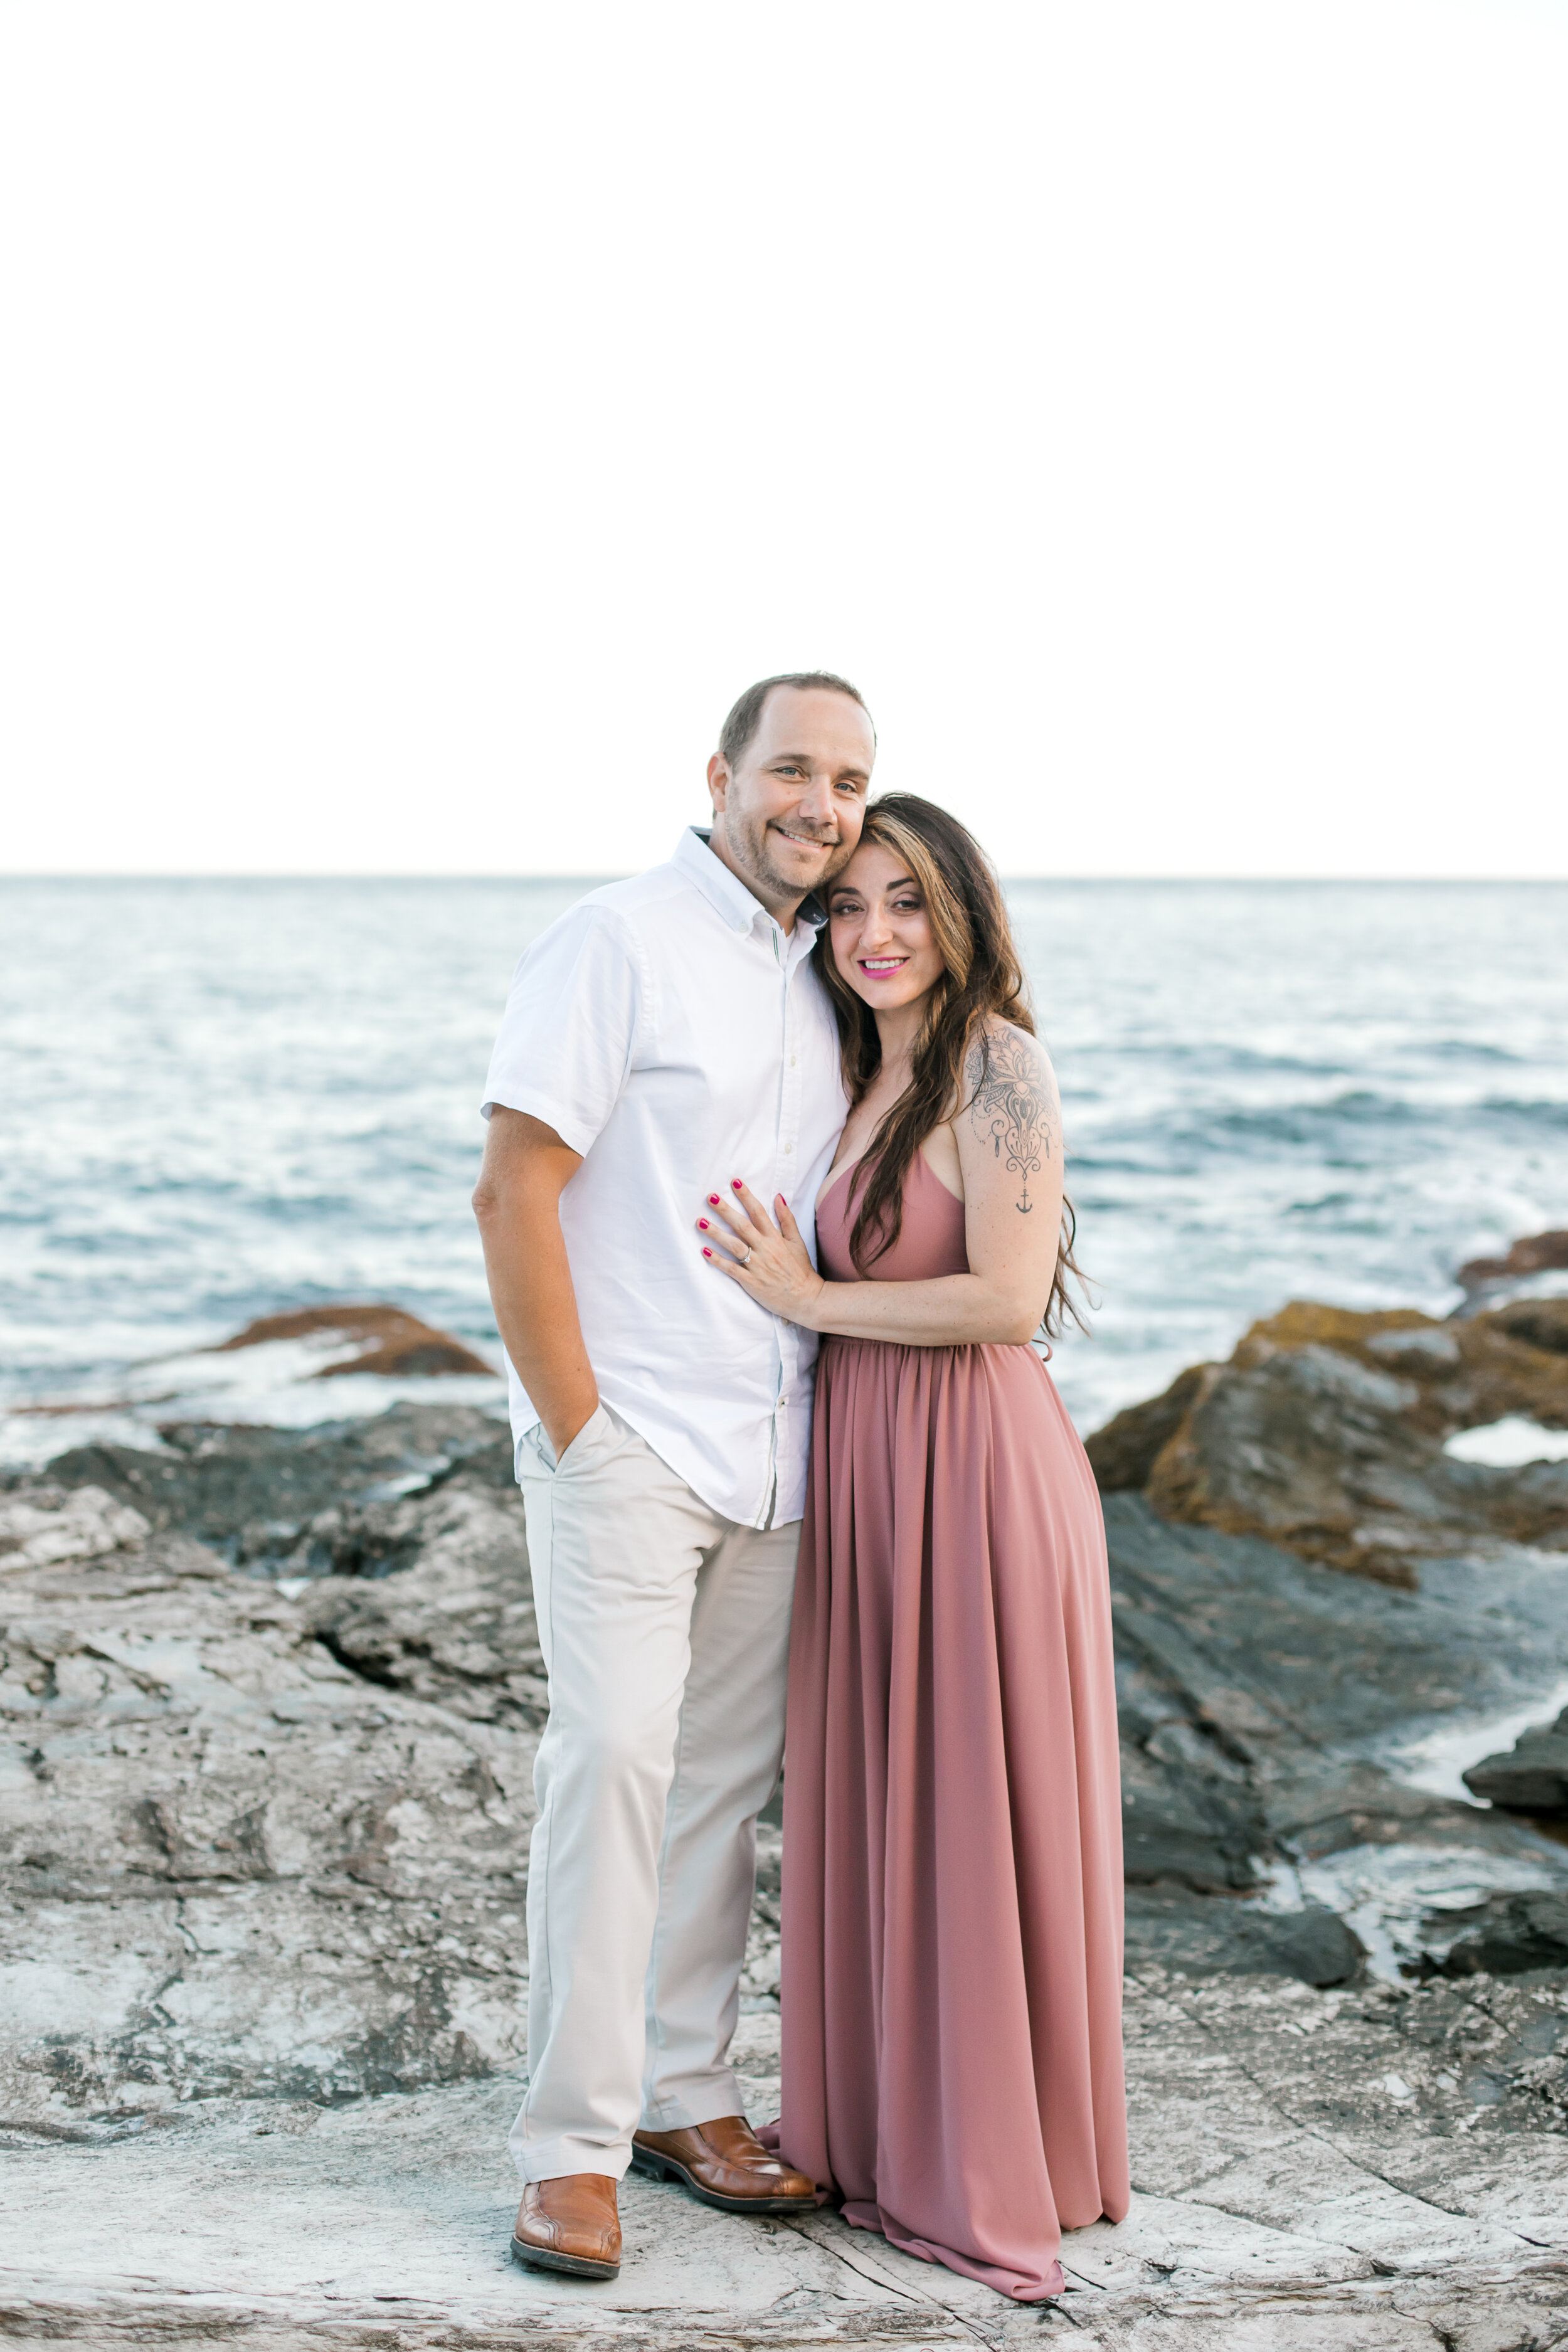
(1263, 1650)
(1532, 1777)
(273, 1500)
(1509, 1936)
(1239, 1938)
(1181, 1829)
(1324, 1434)
(451, 1617)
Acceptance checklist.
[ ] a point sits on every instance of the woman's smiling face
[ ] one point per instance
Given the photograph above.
(879, 932)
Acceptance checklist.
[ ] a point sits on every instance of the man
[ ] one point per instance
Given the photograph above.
(665, 1037)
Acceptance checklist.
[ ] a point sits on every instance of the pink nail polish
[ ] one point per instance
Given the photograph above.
(706, 1252)
(734, 1183)
(702, 1225)
(712, 1200)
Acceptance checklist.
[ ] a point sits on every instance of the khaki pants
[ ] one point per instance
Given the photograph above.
(665, 1630)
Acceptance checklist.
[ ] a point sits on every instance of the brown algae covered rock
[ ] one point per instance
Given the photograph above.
(372, 1338)
(1536, 1254)
(1325, 1432)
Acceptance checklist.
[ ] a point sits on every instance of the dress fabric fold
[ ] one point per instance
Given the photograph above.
(951, 1960)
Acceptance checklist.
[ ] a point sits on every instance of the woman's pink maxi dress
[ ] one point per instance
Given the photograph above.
(952, 1985)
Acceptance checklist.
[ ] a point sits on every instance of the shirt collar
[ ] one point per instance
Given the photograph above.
(726, 891)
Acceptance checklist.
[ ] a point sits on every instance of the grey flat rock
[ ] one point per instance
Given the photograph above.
(385, 2221)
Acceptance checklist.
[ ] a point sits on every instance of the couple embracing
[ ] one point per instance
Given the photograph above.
(772, 1208)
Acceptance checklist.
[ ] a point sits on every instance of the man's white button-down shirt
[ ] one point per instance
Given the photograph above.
(670, 1032)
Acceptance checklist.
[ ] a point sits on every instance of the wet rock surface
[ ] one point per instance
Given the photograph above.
(1508, 1935)
(1325, 1432)
(273, 1698)
(1258, 1697)
(1532, 1777)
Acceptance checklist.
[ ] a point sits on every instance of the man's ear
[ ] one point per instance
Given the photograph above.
(718, 782)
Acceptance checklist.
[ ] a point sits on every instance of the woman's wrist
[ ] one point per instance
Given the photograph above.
(831, 1308)
(810, 1316)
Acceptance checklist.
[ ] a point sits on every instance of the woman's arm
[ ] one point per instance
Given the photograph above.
(1008, 1132)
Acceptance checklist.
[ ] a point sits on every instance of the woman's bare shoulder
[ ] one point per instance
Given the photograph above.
(1010, 1103)
(1001, 1053)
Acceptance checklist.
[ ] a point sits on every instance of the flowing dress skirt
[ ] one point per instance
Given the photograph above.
(952, 1964)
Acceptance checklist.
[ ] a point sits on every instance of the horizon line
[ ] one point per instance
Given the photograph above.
(596, 880)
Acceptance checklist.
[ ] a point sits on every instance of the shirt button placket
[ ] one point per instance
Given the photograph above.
(783, 1163)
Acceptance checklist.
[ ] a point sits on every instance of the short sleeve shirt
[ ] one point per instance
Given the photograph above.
(670, 1031)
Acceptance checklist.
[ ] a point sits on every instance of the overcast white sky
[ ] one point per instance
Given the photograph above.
(419, 422)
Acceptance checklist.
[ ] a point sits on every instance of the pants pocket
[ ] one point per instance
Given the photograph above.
(594, 1429)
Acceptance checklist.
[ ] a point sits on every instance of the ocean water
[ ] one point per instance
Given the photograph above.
(223, 1098)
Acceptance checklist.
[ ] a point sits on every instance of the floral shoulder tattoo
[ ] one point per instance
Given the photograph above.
(1013, 1105)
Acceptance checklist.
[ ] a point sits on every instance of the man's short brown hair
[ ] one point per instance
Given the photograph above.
(746, 715)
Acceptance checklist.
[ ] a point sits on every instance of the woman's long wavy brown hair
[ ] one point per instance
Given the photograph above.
(982, 977)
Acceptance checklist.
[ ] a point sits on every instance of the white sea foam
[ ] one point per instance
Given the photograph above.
(1437, 1758)
(1393, 1897)
(1509, 1444)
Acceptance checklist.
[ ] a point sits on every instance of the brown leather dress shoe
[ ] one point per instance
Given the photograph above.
(726, 2165)
(569, 2225)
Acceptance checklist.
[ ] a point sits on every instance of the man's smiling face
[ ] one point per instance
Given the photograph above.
(788, 815)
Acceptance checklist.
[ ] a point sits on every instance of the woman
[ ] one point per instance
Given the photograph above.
(952, 1882)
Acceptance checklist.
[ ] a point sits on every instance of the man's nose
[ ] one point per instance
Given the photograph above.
(816, 805)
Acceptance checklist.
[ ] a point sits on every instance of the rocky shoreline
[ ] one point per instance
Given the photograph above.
(271, 1698)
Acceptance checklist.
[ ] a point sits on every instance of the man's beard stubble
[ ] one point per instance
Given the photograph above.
(749, 840)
